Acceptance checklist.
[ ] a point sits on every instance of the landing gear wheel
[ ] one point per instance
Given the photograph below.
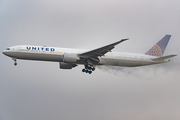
(15, 63)
(93, 69)
(88, 68)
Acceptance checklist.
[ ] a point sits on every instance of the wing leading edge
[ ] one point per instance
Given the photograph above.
(100, 51)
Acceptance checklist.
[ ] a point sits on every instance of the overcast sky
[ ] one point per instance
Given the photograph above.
(36, 90)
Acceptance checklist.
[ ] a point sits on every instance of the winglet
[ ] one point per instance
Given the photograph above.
(159, 48)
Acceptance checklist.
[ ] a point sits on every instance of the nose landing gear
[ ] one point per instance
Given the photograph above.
(88, 69)
(15, 63)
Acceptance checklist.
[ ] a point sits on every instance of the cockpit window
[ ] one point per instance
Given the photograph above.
(7, 48)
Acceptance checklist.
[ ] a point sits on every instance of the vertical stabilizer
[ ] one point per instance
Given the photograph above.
(159, 48)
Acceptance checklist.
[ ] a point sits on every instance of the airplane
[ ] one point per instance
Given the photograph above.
(69, 58)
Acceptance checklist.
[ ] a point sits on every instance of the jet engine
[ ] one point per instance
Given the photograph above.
(70, 58)
(63, 65)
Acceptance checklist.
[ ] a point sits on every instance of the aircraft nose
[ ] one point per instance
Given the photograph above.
(3, 52)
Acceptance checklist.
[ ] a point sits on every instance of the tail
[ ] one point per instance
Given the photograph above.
(159, 48)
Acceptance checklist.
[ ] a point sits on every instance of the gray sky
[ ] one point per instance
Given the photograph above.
(41, 91)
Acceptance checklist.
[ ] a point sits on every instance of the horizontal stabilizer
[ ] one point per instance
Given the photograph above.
(163, 58)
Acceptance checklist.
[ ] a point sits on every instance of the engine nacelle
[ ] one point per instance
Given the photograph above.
(70, 58)
(63, 65)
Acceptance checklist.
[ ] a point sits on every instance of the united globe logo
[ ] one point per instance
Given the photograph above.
(155, 51)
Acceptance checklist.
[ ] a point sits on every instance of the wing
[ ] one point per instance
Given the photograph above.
(99, 51)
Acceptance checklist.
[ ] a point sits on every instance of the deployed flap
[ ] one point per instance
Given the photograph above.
(163, 58)
(100, 51)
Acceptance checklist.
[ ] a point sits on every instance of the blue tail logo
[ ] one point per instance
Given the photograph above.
(159, 48)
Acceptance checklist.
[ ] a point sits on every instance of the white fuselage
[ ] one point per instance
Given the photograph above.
(55, 54)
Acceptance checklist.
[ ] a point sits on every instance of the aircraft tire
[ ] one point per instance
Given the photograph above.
(15, 63)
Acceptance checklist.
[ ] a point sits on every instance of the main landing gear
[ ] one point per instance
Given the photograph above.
(88, 69)
(15, 62)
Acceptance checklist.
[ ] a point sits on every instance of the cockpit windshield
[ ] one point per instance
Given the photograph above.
(7, 48)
